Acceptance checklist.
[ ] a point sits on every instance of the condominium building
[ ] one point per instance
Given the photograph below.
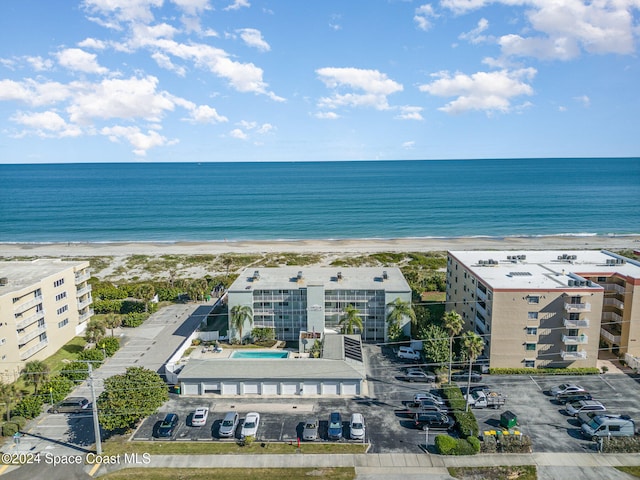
(43, 304)
(311, 300)
(547, 308)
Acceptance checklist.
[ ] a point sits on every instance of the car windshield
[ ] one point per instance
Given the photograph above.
(335, 425)
(357, 426)
(310, 425)
(249, 424)
(199, 415)
(227, 423)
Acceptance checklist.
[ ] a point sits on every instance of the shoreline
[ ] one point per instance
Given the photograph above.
(369, 245)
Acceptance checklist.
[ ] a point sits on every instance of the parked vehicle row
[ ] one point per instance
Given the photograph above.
(356, 427)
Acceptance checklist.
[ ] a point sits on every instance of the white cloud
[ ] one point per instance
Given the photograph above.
(539, 47)
(206, 114)
(408, 112)
(237, 133)
(327, 115)
(584, 100)
(485, 91)
(423, 16)
(46, 124)
(237, 5)
(474, 36)
(92, 43)
(140, 141)
(376, 86)
(40, 64)
(408, 145)
(192, 7)
(164, 61)
(77, 59)
(253, 38)
(34, 93)
(117, 11)
(265, 128)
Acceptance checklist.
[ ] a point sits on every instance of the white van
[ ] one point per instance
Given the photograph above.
(356, 426)
(408, 353)
(605, 426)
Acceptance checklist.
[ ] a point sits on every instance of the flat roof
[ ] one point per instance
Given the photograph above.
(21, 274)
(268, 369)
(545, 269)
(333, 278)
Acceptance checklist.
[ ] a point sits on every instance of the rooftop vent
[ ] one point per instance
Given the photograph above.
(567, 258)
(490, 262)
(299, 277)
(339, 276)
(4, 281)
(616, 261)
(385, 275)
(256, 275)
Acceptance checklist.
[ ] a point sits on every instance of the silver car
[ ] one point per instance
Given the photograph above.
(229, 424)
(310, 430)
(582, 406)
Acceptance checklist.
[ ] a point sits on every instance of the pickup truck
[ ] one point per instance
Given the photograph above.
(480, 399)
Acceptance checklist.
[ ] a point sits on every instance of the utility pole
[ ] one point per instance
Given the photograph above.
(94, 408)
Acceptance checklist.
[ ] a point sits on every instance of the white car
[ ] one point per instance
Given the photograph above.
(418, 397)
(566, 388)
(250, 425)
(199, 418)
(408, 353)
(356, 426)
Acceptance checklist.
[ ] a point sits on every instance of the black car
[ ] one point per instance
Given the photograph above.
(565, 398)
(168, 425)
(433, 420)
(464, 376)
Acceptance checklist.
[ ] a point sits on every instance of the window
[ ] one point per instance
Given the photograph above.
(60, 296)
(532, 330)
(58, 282)
(62, 309)
(614, 428)
(602, 279)
(531, 347)
(530, 364)
(63, 323)
(532, 315)
(533, 299)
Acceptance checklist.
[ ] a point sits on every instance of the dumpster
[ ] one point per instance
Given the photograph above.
(508, 419)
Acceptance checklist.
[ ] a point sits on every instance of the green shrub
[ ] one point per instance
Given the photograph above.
(28, 407)
(507, 444)
(18, 418)
(131, 306)
(445, 444)
(107, 306)
(466, 421)
(75, 371)
(133, 320)
(545, 371)
(621, 444)
(56, 388)
(94, 355)
(475, 443)
(110, 345)
(9, 429)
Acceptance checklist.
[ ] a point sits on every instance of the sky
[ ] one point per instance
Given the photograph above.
(287, 80)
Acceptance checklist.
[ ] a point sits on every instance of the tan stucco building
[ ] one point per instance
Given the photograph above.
(547, 308)
(43, 304)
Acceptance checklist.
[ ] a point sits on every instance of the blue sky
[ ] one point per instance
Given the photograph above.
(268, 80)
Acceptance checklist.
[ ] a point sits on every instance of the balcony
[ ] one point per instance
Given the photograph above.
(31, 335)
(83, 291)
(481, 295)
(85, 316)
(482, 311)
(577, 307)
(85, 303)
(24, 323)
(582, 355)
(583, 323)
(610, 336)
(83, 276)
(613, 302)
(23, 307)
(575, 339)
(481, 325)
(614, 287)
(33, 350)
(611, 317)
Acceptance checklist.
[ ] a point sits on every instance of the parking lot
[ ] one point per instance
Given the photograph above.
(550, 429)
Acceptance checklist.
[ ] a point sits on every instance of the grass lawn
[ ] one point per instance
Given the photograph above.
(635, 471)
(433, 296)
(516, 472)
(115, 446)
(69, 352)
(232, 473)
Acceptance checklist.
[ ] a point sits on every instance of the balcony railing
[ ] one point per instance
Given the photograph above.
(83, 276)
(31, 335)
(581, 355)
(481, 325)
(583, 323)
(29, 320)
(85, 303)
(83, 291)
(610, 336)
(577, 307)
(613, 302)
(480, 294)
(611, 317)
(23, 307)
(613, 287)
(575, 339)
(85, 316)
(33, 350)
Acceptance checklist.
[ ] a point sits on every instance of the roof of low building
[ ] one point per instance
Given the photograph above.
(21, 274)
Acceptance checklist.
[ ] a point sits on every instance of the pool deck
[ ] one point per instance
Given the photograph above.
(204, 353)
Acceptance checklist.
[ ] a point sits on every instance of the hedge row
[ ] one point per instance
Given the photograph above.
(507, 444)
(621, 444)
(466, 421)
(447, 445)
(545, 371)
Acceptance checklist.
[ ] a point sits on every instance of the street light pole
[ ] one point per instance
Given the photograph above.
(94, 408)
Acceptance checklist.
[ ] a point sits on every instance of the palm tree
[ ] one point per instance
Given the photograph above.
(452, 323)
(399, 310)
(239, 315)
(35, 372)
(351, 319)
(9, 394)
(95, 331)
(112, 321)
(145, 292)
(473, 346)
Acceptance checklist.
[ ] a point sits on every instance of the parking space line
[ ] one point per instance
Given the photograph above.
(539, 387)
(602, 378)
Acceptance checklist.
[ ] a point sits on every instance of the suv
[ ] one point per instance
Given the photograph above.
(408, 353)
(71, 405)
(433, 420)
(418, 376)
(356, 427)
(582, 406)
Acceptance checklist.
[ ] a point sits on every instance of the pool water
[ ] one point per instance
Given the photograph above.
(260, 354)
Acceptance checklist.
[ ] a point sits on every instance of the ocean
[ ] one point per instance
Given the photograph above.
(170, 202)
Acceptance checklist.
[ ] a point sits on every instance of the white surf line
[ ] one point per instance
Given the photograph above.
(539, 387)
(602, 378)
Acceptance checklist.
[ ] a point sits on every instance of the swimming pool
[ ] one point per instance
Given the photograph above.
(259, 354)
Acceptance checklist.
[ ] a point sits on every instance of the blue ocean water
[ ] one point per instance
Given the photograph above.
(319, 200)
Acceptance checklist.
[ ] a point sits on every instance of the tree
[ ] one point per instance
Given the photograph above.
(145, 292)
(112, 321)
(452, 323)
(35, 372)
(240, 314)
(473, 346)
(129, 397)
(9, 394)
(398, 311)
(95, 331)
(434, 343)
(350, 320)
(29, 407)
